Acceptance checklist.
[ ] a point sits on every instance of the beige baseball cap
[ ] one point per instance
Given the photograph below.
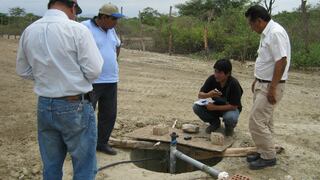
(111, 10)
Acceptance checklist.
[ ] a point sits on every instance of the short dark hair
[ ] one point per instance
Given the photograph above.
(223, 65)
(68, 3)
(256, 11)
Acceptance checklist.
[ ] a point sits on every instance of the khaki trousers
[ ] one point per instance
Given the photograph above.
(261, 119)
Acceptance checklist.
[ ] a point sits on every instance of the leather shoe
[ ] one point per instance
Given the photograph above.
(253, 157)
(262, 163)
(105, 148)
(211, 128)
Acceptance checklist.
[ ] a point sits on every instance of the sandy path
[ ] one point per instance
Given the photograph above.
(156, 88)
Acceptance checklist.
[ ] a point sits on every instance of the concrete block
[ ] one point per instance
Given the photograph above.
(160, 130)
(217, 138)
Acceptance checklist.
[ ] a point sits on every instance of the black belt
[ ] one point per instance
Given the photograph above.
(266, 81)
(76, 97)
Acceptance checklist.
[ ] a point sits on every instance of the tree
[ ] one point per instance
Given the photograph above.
(149, 16)
(3, 19)
(17, 12)
(203, 8)
(268, 5)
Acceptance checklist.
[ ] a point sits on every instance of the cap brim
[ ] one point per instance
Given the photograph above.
(117, 15)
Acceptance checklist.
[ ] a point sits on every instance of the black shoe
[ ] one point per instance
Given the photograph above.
(228, 130)
(253, 157)
(262, 163)
(105, 148)
(212, 128)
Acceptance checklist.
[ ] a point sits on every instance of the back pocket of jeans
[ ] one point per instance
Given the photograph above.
(72, 118)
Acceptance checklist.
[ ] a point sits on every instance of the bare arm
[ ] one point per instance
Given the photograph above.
(118, 51)
(210, 94)
(279, 68)
(227, 107)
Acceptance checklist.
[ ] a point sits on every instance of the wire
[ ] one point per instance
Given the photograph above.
(123, 162)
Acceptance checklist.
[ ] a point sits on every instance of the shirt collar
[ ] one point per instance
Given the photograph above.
(56, 12)
(93, 20)
(268, 27)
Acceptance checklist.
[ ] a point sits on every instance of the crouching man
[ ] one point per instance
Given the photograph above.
(226, 92)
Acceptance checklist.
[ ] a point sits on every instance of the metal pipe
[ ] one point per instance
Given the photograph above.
(173, 148)
(173, 159)
(197, 164)
(174, 153)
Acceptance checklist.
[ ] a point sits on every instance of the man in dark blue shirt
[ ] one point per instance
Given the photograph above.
(226, 93)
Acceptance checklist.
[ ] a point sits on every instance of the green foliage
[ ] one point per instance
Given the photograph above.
(149, 16)
(17, 12)
(302, 59)
(200, 8)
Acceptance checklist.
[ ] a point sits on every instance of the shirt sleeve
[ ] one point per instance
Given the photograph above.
(235, 94)
(207, 86)
(89, 57)
(23, 68)
(278, 46)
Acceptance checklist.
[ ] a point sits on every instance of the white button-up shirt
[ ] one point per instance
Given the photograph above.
(60, 55)
(274, 45)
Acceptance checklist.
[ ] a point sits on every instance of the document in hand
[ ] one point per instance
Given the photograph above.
(203, 102)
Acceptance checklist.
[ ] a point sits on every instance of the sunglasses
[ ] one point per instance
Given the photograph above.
(112, 17)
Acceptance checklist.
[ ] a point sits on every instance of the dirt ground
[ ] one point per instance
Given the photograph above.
(156, 88)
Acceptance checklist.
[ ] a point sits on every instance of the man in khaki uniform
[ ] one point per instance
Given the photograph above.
(271, 73)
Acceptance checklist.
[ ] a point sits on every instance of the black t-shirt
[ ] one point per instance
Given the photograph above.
(231, 92)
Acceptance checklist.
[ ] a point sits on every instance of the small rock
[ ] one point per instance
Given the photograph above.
(190, 128)
(36, 170)
(117, 126)
(288, 177)
(25, 171)
(14, 174)
(140, 124)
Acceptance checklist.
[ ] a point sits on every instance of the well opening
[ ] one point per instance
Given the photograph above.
(160, 160)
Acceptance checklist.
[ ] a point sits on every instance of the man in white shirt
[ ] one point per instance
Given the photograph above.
(60, 55)
(105, 87)
(271, 73)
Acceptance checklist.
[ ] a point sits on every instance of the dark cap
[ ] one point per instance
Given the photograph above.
(69, 3)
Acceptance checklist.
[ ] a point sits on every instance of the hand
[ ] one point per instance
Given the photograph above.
(211, 107)
(215, 93)
(253, 85)
(271, 96)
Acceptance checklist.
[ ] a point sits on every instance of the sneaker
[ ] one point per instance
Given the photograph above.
(211, 128)
(229, 130)
(253, 157)
(105, 148)
(262, 163)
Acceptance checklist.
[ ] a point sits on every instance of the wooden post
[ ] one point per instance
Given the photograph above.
(1, 27)
(141, 33)
(205, 36)
(305, 22)
(120, 32)
(170, 31)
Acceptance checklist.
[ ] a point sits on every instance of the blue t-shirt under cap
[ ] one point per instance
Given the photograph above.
(107, 42)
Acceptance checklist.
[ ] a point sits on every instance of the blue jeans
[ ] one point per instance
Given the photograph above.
(65, 126)
(230, 118)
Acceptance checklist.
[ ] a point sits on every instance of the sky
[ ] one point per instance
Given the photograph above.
(130, 7)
